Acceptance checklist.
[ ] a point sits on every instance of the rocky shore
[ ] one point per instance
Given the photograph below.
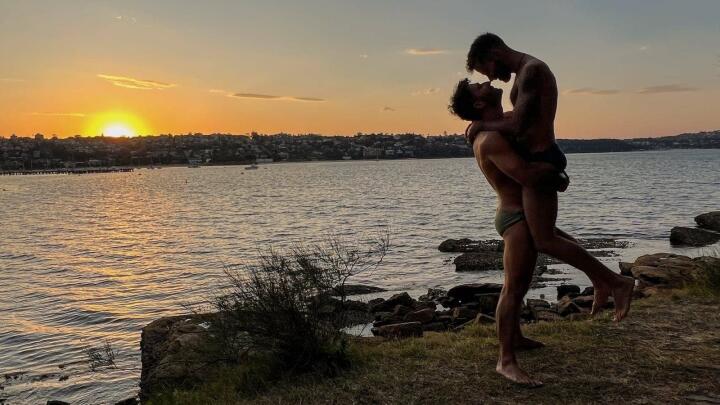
(173, 347)
(707, 232)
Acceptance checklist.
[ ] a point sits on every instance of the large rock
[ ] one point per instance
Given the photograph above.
(175, 352)
(487, 303)
(625, 268)
(423, 316)
(389, 304)
(566, 307)
(465, 293)
(479, 261)
(469, 245)
(399, 330)
(464, 313)
(665, 269)
(418, 305)
(495, 245)
(355, 289)
(710, 220)
(536, 306)
(433, 294)
(681, 235)
(567, 289)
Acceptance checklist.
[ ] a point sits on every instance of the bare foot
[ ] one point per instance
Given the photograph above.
(600, 298)
(622, 295)
(514, 373)
(525, 343)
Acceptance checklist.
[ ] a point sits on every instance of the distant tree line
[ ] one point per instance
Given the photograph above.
(38, 152)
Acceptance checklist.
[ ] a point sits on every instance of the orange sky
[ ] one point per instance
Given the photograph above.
(87, 67)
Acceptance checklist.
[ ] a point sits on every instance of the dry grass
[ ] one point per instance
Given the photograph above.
(667, 351)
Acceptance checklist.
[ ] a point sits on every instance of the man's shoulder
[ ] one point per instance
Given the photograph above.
(534, 68)
(490, 141)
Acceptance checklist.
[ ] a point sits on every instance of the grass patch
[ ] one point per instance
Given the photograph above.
(707, 282)
(664, 352)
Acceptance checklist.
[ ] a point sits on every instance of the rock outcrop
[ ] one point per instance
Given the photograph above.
(710, 220)
(479, 261)
(496, 245)
(175, 352)
(355, 289)
(666, 270)
(485, 255)
(681, 235)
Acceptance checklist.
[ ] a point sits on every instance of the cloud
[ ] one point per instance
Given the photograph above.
(218, 91)
(364, 56)
(426, 51)
(121, 18)
(592, 91)
(59, 114)
(388, 109)
(667, 88)
(425, 92)
(131, 83)
(272, 97)
(11, 80)
(644, 48)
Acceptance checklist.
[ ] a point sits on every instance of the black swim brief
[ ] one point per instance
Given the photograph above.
(552, 155)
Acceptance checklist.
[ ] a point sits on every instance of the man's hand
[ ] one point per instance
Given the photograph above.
(472, 131)
(563, 183)
(556, 182)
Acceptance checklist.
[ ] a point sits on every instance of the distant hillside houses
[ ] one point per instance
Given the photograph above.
(40, 152)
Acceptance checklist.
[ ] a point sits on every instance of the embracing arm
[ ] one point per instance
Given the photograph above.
(528, 93)
(527, 174)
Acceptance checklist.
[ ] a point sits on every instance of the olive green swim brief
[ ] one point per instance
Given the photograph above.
(506, 219)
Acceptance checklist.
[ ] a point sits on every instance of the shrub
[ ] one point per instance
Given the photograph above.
(282, 304)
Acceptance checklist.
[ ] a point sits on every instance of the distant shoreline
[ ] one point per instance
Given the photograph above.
(126, 168)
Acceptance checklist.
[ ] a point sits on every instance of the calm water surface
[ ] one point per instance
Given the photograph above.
(94, 258)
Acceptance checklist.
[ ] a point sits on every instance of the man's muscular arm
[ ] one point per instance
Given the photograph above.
(527, 174)
(528, 94)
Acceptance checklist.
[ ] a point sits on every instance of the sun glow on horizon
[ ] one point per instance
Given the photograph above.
(118, 130)
(116, 124)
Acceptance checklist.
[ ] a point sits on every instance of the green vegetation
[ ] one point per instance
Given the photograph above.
(290, 309)
(707, 282)
(667, 351)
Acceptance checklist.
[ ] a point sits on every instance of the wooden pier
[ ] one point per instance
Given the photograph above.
(76, 170)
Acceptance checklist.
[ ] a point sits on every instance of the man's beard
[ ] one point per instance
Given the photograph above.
(502, 72)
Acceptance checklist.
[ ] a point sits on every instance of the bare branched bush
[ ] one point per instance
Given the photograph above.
(291, 304)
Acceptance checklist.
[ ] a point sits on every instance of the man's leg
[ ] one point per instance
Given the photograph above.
(522, 342)
(519, 262)
(564, 234)
(540, 213)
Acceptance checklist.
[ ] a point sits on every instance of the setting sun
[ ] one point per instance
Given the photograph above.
(118, 130)
(116, 124)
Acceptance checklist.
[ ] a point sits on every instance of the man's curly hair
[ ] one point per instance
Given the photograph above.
(481, 47)
(462, 102)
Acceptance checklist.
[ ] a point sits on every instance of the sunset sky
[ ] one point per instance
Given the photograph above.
(624, 68)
